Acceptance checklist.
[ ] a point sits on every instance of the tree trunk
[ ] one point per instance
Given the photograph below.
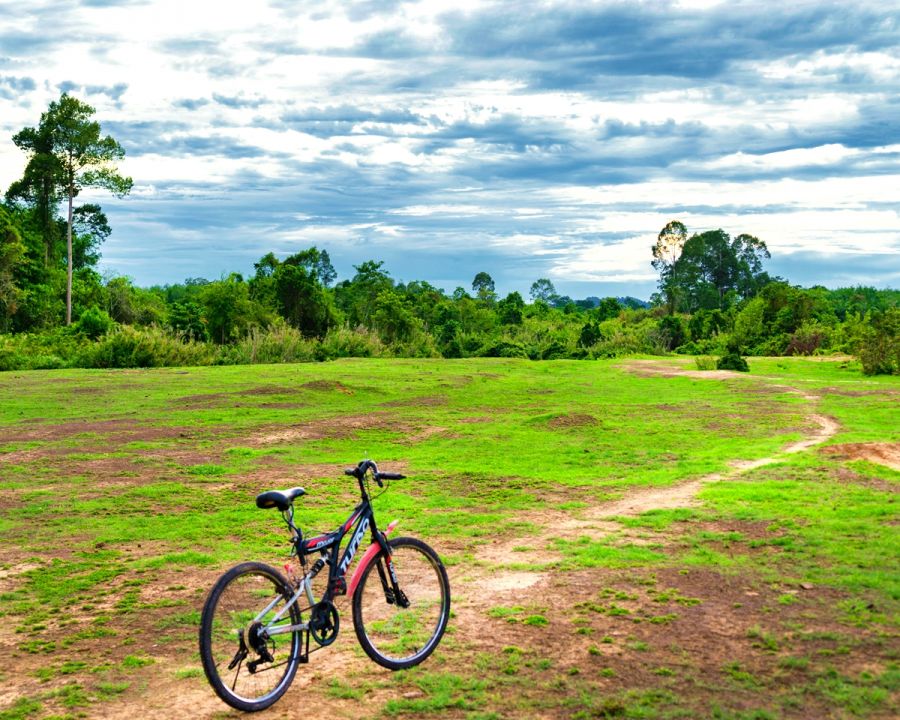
(69, 263)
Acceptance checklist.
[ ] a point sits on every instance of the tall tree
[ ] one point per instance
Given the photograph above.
(39, 185)
(669, 243)
(301, 297)
(542, 289)
(12, 256)
(714, 270)
(483, 285)
(356, 297)
(69, 154)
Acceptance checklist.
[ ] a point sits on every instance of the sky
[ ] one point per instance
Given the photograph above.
(446, 138)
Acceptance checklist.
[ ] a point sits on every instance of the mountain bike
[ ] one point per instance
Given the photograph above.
(256, 624)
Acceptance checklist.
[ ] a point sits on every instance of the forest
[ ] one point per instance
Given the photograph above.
(715, 299)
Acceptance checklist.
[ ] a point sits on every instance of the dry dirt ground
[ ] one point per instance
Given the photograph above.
(613, 628)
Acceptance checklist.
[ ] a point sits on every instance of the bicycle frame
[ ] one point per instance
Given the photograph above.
(328, 544)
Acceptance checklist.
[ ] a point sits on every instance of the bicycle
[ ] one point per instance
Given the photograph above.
(254, 634)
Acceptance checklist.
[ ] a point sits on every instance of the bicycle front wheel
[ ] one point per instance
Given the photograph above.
(248, 668)
(401, 632)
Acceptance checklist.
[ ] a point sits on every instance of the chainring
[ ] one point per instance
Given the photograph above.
(324, 623)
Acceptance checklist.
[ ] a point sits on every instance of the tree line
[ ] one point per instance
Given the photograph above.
(714, 296)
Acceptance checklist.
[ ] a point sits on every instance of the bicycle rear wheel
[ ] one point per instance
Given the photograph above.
(246, 668)
(399, 637)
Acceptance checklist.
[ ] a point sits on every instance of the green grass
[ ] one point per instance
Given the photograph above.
(131, 518)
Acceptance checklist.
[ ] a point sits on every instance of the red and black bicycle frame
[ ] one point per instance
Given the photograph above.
(328, 545)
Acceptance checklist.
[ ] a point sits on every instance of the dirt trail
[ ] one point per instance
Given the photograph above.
(597, 519)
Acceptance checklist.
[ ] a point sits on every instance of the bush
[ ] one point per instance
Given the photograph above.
(280, 343)
(149, 347)
(556, 350)
(672, 332)
(344, 342)
(705, 362)
(93, 323)
(808, 338)
(732, 361)
(11, 360)
(503, 349)
(879, 346)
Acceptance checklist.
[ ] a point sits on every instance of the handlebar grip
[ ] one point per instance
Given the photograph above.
(350, 471)
(390, 476)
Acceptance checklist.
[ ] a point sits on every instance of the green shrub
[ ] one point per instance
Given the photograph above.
(11, 360)
(808, 338)
(344, 342)
(672, 332)
(879, 345)
(93, 323)
(503, 349)
(149, 347)
(705, 362)
(279, 343)
(732, 361)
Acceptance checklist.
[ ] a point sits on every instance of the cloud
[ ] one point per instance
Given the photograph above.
(13, 88)
(452, 136)
(191, 103)
(237, 102)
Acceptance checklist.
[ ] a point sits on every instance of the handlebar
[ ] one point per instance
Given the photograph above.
(359, 472)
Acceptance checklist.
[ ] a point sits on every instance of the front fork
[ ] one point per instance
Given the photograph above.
(388, 577)
(389, 583)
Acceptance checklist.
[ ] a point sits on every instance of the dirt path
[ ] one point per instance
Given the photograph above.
(597, 519)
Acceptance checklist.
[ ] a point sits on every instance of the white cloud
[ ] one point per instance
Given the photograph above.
(576, 170)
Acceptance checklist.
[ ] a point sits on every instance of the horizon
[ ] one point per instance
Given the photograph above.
(446, 139)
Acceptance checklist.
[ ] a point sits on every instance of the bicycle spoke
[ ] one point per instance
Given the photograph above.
(401, 627)
(248, 669)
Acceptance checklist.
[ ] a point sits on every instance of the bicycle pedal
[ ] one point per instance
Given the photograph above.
(303, 659)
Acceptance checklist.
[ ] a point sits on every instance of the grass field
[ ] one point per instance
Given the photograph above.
(625, 539)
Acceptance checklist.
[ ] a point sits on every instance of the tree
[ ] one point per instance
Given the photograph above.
(607, 309)
(356, 297)
(543, 290)
(510, 308)
(91, 228)
(39, 185)
(708, 270)
(316, 262)
(393, 318)
(667, 250)
(483, 286)
(12, 256)
(226, 306)
(69, 154)
(302, 299)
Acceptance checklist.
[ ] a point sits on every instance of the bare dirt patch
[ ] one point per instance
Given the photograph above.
(327, 386)
(887, 454)
(572, 420)
(667, 498)
(649, 368)
(120, 429)
(344, 426)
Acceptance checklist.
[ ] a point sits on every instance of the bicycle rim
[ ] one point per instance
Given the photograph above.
(394, 636)
(257, 678)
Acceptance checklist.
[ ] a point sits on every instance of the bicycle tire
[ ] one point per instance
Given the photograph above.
(396, 637)
(237, 597)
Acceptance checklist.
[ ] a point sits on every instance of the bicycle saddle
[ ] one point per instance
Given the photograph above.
(281, 499)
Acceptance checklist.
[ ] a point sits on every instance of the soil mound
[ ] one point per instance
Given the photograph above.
(572, 420)
(327, 385)
(887, 454)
